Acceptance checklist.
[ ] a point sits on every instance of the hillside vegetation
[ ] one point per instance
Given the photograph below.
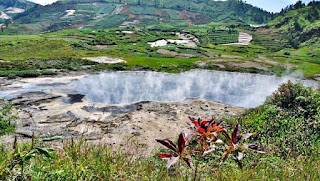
(103, 14)
(300, 26)
(214, 10)
(24, 4)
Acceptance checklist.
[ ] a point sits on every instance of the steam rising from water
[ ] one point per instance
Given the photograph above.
(238, 89)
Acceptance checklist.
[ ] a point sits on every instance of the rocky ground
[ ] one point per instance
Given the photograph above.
(133, 126)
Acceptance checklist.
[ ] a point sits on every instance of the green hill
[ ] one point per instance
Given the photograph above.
(300, 26)
(23, 4)
(10, 8)
(93, 14)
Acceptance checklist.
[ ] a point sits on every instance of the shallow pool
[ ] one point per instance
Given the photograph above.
(237, 89)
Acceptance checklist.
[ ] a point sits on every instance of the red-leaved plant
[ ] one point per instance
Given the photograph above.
(206, 135)
(234, 143)
(180, 150)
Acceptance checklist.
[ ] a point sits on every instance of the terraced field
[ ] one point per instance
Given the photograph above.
(223, 37)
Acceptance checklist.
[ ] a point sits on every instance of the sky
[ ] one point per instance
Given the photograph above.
(273, 5)
(269, 5)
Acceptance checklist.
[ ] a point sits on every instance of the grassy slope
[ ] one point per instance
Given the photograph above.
(24, 4)
(300, 29)
(285, 22)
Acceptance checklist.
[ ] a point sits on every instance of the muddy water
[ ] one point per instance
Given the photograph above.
(236, 89)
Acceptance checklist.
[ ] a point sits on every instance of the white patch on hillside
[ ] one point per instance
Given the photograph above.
(127, 32)
(159, 43)
(70, 12)
(187, 40)
(4, 15)
(257, 26)
(14, 10)
(104, 59)
(43, 2)
(129, 23)
(97, 4)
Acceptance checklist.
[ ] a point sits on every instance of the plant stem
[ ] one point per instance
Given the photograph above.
(22, 170)
(197, 164)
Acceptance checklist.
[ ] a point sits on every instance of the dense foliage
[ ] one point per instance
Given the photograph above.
(299, 24)
(289, 120)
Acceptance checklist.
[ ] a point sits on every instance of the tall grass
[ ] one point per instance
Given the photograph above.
(80, 160)
(7, 117)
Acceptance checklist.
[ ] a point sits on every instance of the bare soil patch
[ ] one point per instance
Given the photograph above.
(125, 10)
(176, 54)
(194, 18)
(208, 63)
(231, 56)
(249, 64)
(162, 13)
(234, 63)
(132, 16)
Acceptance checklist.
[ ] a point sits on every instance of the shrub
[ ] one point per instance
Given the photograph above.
(291, 95)
(115, 67)
(287, 53)
(289, 120)
(48, 72)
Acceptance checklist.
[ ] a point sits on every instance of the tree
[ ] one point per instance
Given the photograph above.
(299, 5)
(7, 22)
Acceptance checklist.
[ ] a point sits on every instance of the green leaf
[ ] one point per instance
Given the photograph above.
(52, 138)
(45, 151)
(27, 157)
